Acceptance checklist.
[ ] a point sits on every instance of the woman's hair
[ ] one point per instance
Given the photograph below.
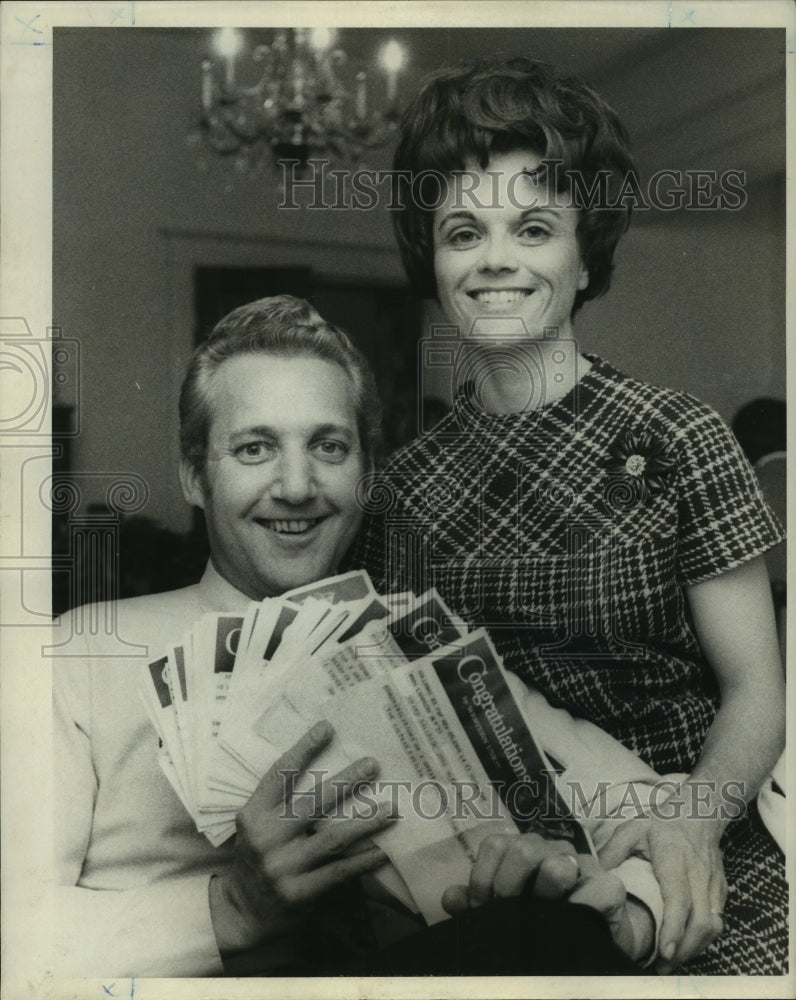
(284, 326)
(476, 110)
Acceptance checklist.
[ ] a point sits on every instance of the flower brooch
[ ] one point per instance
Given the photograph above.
(641, 466)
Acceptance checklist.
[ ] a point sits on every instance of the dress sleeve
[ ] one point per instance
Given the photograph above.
(723, 517)
(162, 929)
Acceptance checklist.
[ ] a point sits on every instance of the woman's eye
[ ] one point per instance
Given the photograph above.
(334, 451)
(535, 232)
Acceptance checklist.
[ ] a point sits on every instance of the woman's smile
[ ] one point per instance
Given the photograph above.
(499, 296)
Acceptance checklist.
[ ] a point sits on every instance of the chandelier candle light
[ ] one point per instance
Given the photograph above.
(301, 106)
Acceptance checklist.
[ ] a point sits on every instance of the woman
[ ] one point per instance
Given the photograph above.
(610, 529)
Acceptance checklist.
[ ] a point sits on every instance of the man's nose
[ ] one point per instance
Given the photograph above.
(295, 477)
(499, 253)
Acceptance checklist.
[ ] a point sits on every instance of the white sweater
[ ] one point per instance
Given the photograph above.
(133, 872)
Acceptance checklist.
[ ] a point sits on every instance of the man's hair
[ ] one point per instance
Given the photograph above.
(496, 106)
(282, 326)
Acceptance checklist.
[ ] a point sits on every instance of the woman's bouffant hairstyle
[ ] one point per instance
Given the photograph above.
(497, 106)
(283, 326)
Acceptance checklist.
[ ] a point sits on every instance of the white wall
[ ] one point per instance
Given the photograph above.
(697, 303)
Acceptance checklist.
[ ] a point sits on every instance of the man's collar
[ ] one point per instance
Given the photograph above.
(217, 594)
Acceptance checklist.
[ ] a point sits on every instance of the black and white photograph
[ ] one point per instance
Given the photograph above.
(394, 574)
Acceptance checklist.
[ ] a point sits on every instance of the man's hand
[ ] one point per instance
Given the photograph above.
(507, 865)
(285, 858)
(687, 862)
(506, 862)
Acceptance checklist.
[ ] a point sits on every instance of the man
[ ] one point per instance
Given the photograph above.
(277, 429)
(278, 425)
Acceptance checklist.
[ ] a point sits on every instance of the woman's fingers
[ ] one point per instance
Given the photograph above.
(688, 865)
(703, 889)
(629, 838)
(670, 870)
(718, 900)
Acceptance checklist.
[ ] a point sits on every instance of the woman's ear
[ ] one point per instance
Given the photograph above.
(193, 487)
(583, 278)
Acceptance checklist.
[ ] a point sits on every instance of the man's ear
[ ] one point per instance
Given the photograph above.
(583, 277)
(192, 484)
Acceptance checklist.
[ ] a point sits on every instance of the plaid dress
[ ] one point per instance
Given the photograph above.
(571, 533)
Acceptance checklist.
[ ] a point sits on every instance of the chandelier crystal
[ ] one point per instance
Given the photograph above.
(307, 102)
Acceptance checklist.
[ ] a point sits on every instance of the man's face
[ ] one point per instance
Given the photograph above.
(284, 459)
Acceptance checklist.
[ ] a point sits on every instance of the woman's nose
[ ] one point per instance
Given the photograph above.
(295, 477)
(499, 253)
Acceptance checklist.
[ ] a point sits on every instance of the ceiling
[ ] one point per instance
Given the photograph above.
(710, 98)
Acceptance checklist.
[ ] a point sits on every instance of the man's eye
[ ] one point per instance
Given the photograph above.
(334, 451)
(463, 237)
(253, 451)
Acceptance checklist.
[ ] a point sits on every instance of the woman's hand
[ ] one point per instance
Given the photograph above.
(285, 858)
(508, 865)
(685, 856)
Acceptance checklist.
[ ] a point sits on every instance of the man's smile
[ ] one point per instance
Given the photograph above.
(285, 526)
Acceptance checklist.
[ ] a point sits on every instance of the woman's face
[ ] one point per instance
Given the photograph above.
(505, 249)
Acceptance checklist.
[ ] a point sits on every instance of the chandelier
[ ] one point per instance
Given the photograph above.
(307, 102)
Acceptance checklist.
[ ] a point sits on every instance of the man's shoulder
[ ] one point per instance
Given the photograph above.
(149, 619)
(169, 604)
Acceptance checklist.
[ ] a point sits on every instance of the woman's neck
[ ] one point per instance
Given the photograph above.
(523, 376)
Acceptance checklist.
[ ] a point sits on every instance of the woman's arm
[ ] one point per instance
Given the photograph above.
(734, 620)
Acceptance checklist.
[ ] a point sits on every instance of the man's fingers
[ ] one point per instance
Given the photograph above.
(603, 892)
(338, 840)
(277, 783)
(482, 877)
(531, 858)
(455, 899)
(557, 876)
(519, 862)
(303, 888)
(336, 837)
(329, 798)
